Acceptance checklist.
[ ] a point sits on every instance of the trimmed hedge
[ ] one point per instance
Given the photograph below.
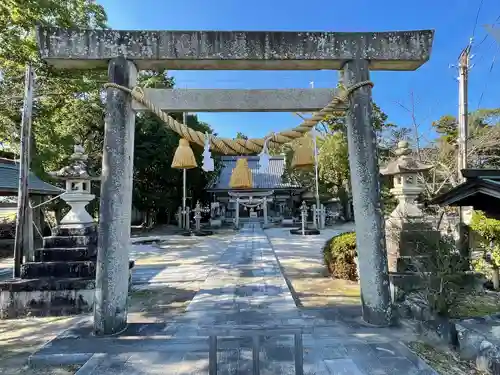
(339, 253)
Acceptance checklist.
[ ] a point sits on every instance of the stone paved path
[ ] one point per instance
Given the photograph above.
(246, 294)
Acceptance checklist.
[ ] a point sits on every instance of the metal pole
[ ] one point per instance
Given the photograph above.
(316, 211)
(21, 241)
(184, 212)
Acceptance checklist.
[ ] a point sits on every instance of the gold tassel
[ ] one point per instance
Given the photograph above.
(303, 157)
(184, 157)
(241, 178)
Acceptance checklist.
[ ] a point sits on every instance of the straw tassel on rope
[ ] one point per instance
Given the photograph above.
(241, 178)
(303, 156)
(184, 156)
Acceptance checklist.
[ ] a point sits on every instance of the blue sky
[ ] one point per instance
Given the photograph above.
(434, 85)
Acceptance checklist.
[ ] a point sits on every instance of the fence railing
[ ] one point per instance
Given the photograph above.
(256, 335)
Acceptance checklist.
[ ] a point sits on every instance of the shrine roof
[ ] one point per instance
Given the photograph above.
(481, 190)
(9, 180)
(271, 179)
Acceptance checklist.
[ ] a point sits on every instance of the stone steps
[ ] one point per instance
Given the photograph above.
(69, 241)
(66, 232)
(55, 254)
(47, 284)
(64, 269)
(46, 297)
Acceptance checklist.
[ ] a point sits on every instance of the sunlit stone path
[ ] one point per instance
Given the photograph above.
(245, 302)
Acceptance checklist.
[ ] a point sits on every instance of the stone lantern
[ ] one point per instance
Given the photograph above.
(78, 187)
(406, 227)
(404, 170)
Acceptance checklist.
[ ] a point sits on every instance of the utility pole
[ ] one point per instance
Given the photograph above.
(23, 222)
(463, 128)
(463, 132)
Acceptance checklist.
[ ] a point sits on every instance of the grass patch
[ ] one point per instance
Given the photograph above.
(476, 305)
(326, 291)
(442, 360)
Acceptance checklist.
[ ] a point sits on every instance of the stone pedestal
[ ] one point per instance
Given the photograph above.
(61, 280)
(237, 218)
(264, 208)
(215, 223)
(408, 242)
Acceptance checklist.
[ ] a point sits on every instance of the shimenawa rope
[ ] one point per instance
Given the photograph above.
(228, 146)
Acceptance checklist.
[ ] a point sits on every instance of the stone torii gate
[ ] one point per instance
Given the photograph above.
(123, 53)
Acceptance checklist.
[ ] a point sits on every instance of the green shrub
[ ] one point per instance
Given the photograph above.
(339, 253)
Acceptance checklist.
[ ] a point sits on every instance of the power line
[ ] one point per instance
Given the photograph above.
(487, 80)
(487, 34)
(477, 17)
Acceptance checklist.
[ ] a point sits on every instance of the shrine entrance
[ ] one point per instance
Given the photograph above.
(126, 52)
(253, 203)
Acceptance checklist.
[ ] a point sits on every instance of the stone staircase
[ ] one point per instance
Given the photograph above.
(61, 280)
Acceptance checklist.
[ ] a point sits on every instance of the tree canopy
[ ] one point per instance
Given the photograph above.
(69, 108)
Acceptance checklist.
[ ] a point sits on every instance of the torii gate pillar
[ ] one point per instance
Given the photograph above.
(112, 273)
(363, 163)
(214, 50)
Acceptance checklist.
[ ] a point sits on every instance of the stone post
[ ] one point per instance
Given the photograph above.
(112, 278)
(303, 215)
(237, 221)
(197, 216)
(370, 238)
(187, 224)
(314, 212)
(264, 207)
(179, 217)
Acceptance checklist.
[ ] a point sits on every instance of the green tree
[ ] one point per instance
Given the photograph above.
(489, 231)
(157, 186)
(479, 120)
(333, 161)
(240, 135)
(67, 104)
(334, 170)
(57, 93)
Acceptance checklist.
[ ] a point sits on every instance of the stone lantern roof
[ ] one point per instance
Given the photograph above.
(77, 170)
(404, 163)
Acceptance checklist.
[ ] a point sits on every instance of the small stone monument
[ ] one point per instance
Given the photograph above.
(303, 230)
(197, 216)
(197, 219)
(78, 187)
(179, 217)
(303, 215)
(322, 215)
